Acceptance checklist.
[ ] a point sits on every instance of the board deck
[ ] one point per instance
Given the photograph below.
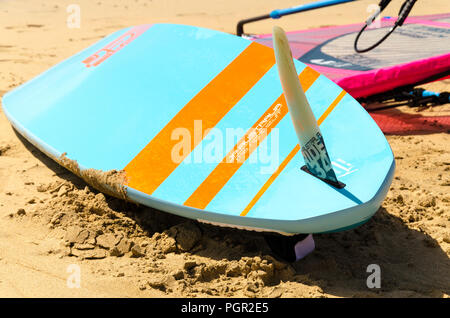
(128, 101)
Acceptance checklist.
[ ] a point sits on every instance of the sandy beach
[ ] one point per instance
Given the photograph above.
(52, 224)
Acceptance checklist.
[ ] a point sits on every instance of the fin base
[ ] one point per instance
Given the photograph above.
(338, 185)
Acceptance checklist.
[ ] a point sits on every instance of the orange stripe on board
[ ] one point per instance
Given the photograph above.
(331, 107)
(154, 163)
(216, 180)
(271, 180)
(289, 158)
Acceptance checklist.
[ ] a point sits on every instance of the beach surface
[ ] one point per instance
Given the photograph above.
(61, 238)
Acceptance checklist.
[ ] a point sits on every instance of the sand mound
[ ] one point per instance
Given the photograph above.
(92, 227)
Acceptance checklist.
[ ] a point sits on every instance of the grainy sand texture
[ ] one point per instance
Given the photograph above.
(52, 222)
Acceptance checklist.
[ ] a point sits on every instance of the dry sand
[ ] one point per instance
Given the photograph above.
(50, 219)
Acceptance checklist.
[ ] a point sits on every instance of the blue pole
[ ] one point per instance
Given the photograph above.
(276, 14)
(429, 94)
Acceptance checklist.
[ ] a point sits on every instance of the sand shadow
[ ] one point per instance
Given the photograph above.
(339, 263)
(403, 254)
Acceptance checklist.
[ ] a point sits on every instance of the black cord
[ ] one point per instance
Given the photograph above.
(355, 44)
(404, 11)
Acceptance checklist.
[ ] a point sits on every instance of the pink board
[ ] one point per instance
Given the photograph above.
(414, 52)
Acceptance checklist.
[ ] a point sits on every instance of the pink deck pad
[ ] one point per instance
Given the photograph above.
(398, 123)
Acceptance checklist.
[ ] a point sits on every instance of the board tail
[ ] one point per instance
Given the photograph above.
(312, 144)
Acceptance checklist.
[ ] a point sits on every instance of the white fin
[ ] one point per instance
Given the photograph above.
(310, 139)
